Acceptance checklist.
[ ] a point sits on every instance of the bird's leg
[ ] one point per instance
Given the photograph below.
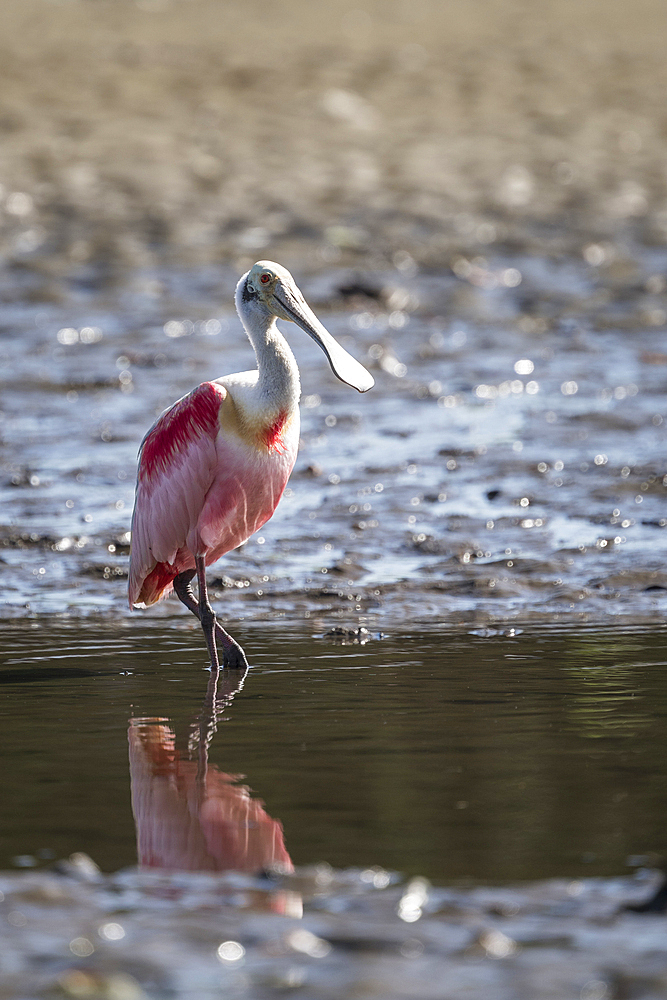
(206, 613)
(233, 655)
(186, 595)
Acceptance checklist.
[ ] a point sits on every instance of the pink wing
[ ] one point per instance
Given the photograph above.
(177, 466)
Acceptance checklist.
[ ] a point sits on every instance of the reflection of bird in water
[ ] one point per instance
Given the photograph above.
(213, 467)
(188, 814)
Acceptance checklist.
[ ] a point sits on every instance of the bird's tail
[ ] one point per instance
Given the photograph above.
(150, 588)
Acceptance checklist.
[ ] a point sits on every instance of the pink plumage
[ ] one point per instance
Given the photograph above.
(215, 464)
(200, 490)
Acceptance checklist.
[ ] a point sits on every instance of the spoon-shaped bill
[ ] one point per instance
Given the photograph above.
(343, 365)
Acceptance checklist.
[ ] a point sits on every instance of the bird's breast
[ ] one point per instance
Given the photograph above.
(273, 434)
(264, 431)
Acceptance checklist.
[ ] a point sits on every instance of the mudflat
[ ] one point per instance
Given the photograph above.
(206, 130)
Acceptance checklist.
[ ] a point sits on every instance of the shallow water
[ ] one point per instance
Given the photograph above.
(457, 754)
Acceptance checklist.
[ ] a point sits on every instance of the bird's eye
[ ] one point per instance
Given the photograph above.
(265, 278)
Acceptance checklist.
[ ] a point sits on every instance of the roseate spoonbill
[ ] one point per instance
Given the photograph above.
(214, 465)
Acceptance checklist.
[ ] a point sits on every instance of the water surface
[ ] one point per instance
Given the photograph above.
(457, 754)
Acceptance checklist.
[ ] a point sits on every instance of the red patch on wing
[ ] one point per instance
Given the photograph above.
(273, 435)
(157, 580)
(185, 421)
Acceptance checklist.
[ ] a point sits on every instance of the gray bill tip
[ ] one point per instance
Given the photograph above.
(349, 370)
(343, 365)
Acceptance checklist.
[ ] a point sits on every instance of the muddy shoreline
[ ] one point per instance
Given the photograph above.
(506, 464)
(327, 934)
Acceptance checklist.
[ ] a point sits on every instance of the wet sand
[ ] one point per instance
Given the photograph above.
(508, 465)
(334, 935)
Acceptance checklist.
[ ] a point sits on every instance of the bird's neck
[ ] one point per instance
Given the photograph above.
(278, 384)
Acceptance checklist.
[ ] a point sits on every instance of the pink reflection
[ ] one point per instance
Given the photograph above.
(191, 816)
(194, 822)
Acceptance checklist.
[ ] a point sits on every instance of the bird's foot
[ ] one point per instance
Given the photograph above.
(233, 657)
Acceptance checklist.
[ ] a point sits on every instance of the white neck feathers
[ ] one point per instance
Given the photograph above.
(278, 384)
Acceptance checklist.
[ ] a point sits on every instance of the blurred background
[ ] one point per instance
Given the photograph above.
(191, 131)
(473, 196)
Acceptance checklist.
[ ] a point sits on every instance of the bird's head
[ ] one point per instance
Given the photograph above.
(271, 288)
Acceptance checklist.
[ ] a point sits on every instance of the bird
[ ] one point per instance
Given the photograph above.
(214, 465)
